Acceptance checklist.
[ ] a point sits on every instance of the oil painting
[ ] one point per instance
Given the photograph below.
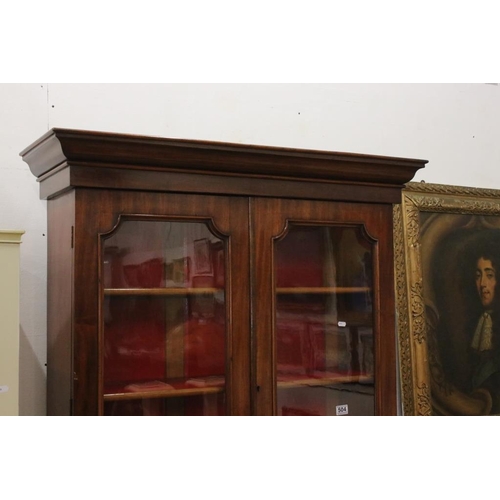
(447, 259)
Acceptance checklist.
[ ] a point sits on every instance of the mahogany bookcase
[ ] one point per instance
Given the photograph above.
(201, 278)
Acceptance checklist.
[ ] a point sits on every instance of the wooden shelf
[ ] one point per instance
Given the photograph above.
(161, 291)
(291, 381)
(207, 290)
(321, 290)
(171, 393)
(284, 382)
(176, 389)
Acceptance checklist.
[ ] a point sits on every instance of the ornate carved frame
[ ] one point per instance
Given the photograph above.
(415, 345)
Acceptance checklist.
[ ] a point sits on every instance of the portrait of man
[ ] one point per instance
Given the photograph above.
(461, 290)
(485, 342)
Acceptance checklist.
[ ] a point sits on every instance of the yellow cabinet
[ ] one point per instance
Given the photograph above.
(9, 322)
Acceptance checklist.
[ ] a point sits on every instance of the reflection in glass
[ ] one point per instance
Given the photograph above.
(164, 320)
(324, 322)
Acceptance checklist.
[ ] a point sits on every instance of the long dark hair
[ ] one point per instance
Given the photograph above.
(488, 250)
(454, 265)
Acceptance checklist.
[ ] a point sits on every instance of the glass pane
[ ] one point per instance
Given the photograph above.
(201, 405)
(324, 322)
(164, 320)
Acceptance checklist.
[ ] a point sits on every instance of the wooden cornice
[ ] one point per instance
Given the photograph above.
(59, 146)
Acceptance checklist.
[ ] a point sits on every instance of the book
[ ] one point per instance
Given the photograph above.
(154, 385)
(211, 381)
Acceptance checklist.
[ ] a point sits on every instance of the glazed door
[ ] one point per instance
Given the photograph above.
(173, 306)
(323, 302)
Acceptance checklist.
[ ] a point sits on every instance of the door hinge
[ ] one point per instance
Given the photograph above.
(72, 236)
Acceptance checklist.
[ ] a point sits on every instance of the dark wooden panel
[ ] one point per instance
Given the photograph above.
(150, 180)
(385, 345)
(269, 219)
(97, 213)
(56, 183)
(60, 305)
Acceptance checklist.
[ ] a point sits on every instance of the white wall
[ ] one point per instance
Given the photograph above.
(23, 117)
(454, 126)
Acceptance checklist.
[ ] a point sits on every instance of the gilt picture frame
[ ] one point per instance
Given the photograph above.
(445, 238)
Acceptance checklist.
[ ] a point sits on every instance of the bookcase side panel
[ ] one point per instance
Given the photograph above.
(61, 220)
